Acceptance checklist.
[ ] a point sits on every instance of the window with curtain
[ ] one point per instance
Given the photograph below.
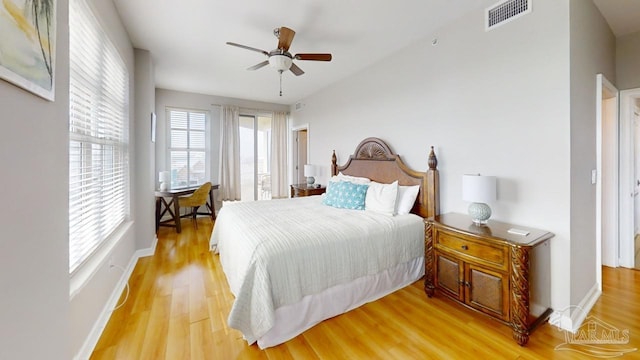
(98, 136)
(188, 161)
(255, 157)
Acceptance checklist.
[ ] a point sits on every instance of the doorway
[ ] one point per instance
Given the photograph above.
(629, 177)
(606, 177)
(300, 155)
(255, 157)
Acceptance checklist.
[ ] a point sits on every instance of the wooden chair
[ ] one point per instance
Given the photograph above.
(195, 200)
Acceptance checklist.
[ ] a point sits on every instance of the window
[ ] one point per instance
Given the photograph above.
(98, 136)
(255, 157)
(187, 147)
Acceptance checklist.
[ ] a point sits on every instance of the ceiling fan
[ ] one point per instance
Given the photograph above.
(280, 58)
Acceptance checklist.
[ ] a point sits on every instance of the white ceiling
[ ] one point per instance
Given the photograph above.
(187, 38)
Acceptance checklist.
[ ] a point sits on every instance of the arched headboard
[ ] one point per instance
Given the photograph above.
(374, 159)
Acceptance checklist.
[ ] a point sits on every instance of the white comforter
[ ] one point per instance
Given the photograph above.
(276, 252)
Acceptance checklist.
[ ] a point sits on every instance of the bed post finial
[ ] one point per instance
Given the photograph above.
(334, 164)
(433, 161)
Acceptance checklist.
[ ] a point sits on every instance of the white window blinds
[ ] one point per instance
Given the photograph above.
(187, 147)
(98, 123)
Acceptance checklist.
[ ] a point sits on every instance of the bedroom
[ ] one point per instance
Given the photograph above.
(536, 115)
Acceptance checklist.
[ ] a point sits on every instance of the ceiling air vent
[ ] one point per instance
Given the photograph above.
(505, 11)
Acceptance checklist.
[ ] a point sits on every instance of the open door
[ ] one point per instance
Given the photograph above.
(300, 153)
(607, 186)
(629, 175)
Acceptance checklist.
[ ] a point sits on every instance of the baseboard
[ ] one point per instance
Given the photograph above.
(103, 319)
(572, 317)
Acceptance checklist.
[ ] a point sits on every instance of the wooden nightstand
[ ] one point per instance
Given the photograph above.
(300, 190)
(490, 269)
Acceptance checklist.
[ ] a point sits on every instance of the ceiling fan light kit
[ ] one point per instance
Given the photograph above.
(280, 58)
(280, 62)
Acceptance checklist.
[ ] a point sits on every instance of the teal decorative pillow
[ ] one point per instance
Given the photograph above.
(346, 195)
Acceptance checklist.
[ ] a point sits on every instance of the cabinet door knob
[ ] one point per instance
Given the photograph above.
(465, 247)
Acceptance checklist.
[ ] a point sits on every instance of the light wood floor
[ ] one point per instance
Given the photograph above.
(180, 299)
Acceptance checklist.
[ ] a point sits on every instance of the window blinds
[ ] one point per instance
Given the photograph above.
(187, 147)
(98, 123)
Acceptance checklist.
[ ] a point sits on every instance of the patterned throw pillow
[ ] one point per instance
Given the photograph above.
(346, 195)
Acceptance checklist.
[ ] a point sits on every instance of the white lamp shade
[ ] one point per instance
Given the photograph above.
(309, 170)
(164, 176)
(478, 189)
(280, 62)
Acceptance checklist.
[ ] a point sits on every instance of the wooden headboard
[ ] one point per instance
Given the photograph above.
(374, 159)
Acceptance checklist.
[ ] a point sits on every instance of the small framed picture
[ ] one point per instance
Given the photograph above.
(153, 127)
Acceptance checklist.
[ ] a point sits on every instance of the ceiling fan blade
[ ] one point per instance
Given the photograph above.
(285, 37)
(296, 70)
(248, 48)
(316, 57)
(258, 66)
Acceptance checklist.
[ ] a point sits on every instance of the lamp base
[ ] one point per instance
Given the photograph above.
(310, 180)
(480, 213)
(164, 186)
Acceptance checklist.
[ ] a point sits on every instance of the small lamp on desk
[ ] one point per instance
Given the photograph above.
(310, 172)
(165, 180)
(479, 190)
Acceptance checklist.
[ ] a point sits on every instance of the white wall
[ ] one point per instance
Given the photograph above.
(592, 52)
(210, 103)
(34, 270)
(627, 61)
(145, 151)
(495, 103)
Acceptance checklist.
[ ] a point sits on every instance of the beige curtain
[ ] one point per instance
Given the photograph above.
(230, 153)
(279, 155)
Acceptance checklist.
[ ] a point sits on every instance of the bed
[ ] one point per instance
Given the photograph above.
(291, 263)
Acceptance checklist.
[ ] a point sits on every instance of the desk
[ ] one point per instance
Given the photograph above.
(162, 206)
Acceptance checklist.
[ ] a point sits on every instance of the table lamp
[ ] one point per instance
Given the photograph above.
(479, 190)
(165, 180)
(310, 172)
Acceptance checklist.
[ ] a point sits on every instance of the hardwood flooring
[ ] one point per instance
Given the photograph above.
(179, 301)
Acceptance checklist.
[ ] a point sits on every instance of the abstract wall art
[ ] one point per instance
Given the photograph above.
(27, 45)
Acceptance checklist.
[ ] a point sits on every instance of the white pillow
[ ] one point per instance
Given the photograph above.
(406, 198)
(349, 178)
(381, 198)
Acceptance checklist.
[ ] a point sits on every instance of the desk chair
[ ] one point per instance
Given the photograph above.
(195, 200)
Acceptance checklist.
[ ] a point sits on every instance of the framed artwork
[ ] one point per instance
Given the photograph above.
(153, 127)
(27, 49)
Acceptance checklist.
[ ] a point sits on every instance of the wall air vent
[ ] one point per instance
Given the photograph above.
(505, 11)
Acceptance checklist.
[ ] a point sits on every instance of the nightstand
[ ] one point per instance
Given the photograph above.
(501, 270)
(300, 190)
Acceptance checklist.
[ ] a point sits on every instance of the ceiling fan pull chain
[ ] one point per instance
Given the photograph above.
(280, 71)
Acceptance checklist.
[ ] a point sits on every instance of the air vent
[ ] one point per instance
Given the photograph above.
(505, 11)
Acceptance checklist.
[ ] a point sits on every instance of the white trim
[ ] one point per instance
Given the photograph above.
(627, 210)
(571, 319)
(291, 159)
(602, 85)
(98, 327)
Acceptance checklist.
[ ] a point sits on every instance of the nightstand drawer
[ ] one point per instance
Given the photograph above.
(484, 252)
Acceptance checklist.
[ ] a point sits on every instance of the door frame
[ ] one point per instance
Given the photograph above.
(606, 90)
(627, 208)
(294, 150)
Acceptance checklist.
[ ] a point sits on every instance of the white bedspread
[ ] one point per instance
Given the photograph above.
(276, 252)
